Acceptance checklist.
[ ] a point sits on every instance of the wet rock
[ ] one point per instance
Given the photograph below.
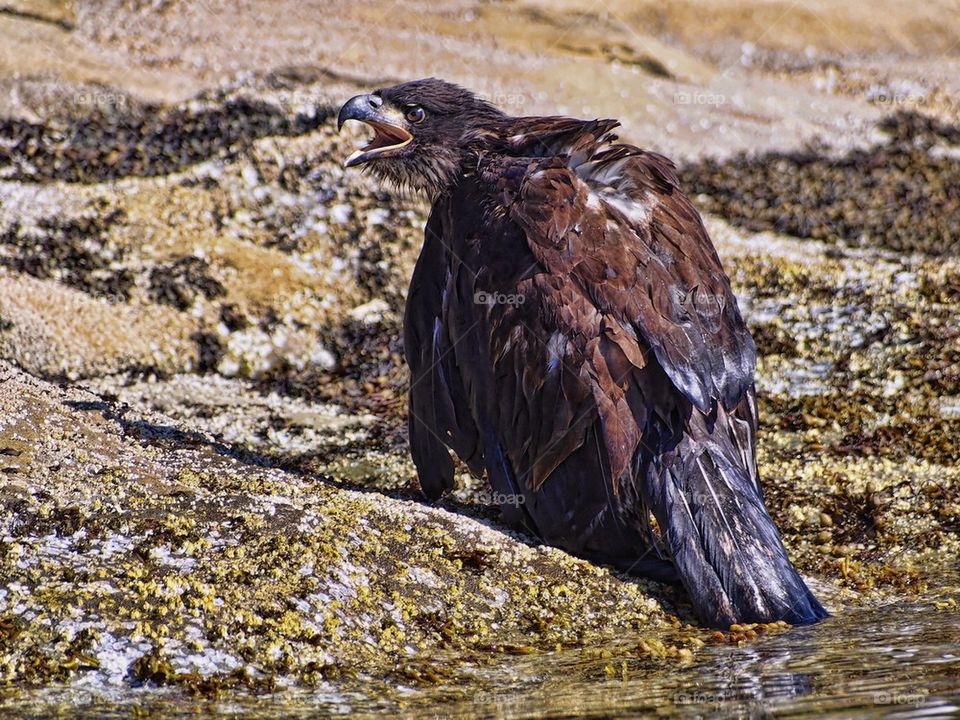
(60, 332)
(75, 251)
(178, 282)
(140, 140)
(192, 560)
(898, 195)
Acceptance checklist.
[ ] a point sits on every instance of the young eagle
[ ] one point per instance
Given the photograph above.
(570, 331)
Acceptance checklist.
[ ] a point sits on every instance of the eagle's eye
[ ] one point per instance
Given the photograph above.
(415, 114)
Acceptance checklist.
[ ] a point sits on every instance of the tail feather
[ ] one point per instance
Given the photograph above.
(714, 525)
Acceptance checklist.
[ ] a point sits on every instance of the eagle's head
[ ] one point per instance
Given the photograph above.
(424, 132)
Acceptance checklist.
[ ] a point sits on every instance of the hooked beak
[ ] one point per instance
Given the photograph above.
(390, 132)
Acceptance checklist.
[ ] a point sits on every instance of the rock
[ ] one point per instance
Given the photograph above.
(190, 559)
(210, 490)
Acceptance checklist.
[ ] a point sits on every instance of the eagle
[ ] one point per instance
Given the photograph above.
(571, 334)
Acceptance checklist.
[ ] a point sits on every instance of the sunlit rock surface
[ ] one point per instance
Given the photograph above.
(205, 486)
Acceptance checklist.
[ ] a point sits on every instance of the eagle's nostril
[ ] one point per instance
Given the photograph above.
(376, 101)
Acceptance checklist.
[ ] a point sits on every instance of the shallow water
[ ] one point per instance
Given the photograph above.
(895, 661)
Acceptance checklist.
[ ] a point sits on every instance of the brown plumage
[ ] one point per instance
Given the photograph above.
(571, 333)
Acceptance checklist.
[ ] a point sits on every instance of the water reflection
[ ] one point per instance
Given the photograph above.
(898, 661)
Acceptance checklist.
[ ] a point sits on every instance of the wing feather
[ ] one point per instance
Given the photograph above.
(652, 267)
(618, 381)
(624, 293)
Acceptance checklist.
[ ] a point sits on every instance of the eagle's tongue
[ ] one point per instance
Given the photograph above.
(385, 136)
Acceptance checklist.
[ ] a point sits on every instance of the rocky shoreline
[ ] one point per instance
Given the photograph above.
(205, 484)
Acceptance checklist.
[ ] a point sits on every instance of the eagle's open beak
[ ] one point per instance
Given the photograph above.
(387, 123)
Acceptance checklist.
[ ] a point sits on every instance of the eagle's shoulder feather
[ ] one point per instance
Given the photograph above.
(615, 222)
